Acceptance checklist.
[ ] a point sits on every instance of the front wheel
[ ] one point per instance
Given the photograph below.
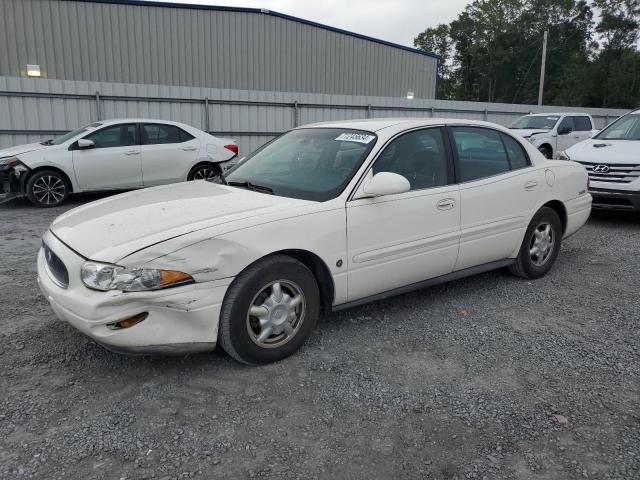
(47, 188)
(269, 310)
(546, 151)
(540, 246)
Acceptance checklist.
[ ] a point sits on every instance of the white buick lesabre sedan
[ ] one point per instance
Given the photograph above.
(112, 155)
(325, 217)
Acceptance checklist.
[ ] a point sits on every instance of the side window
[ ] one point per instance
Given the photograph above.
(567, 122)
(115, 136)
(158, 133)
(481, 153)
(419, 156)
(582, 124)
(517, 156)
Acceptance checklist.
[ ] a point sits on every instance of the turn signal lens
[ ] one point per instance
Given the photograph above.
(128, 322)
(168, 277)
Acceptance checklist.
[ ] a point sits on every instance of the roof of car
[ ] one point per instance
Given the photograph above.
(138, 120)
(377, 124)
(546, 114)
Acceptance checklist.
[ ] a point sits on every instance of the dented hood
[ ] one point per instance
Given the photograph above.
(112, 228)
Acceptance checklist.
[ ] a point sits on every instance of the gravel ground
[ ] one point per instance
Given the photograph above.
(490, 377)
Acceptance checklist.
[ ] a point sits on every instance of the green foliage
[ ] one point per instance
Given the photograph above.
(493, 50)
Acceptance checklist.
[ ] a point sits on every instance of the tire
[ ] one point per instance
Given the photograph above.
(244, 335)
(204, 171)
(546, 151)
(47, 188)
(532, 266)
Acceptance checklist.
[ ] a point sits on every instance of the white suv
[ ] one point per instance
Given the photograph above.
(612, 159)
(552, 133)
(112, 155)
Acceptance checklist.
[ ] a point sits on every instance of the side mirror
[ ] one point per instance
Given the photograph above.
(84, 144)
(565, 130)
(385, 183)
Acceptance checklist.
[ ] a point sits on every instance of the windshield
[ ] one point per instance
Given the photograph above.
(624, 128)
(70, 135)
(535, 121)
(310, 163)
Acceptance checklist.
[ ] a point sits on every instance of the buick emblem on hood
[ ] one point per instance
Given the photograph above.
(601, 169)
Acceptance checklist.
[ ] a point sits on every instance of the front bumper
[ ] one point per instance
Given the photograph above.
(12, 181)
(608, 199)
(180, 320)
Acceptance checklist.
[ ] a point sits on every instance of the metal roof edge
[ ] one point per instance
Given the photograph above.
(264, 11)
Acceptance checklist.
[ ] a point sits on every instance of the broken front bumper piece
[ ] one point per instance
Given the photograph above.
(13, 174)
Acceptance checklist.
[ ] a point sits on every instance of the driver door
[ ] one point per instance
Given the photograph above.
(565, 140)
(397, 240)
(113, 162)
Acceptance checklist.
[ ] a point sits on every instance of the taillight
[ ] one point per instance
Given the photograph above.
(233, 148)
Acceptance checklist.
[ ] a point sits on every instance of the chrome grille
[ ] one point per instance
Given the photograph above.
(55, 267)
(612, 172)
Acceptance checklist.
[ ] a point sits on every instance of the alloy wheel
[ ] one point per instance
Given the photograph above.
(49, 190)
(276, 314)
(542, 243)
(205, 173)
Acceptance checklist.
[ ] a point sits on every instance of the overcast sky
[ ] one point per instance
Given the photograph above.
(396, 21)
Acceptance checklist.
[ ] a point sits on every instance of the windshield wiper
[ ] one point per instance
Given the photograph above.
(251, 186)
(47, 142)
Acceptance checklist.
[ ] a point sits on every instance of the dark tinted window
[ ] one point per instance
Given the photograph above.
(418, 156)
(516, 153)
(157, 133)
(481, 153)
(566, 122)
(582, 124)
(115, 136)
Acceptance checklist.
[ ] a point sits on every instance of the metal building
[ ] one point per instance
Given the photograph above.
(140, 42)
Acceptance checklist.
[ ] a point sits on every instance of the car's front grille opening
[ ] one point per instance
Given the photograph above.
(55, 267)
(610, 172)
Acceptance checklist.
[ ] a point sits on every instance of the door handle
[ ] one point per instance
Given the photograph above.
(132, 152)
(446, 204)
(530, 185)
(189, 149)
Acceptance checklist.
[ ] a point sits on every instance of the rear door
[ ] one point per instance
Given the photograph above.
(397, 240)
(114, 161)
(168, 152)
(497, 194)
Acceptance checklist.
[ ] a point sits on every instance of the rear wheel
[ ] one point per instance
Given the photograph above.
(47, 188)
(269, 310)
(204, 171)
(540, 246)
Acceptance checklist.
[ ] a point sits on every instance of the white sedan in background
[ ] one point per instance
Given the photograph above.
(324, 217)
(112, 155)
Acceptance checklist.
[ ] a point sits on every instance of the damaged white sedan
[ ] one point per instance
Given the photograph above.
(325, 217)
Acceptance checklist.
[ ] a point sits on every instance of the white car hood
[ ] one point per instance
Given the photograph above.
(110, 229)
(17, 150)
(606, 151)
(527, 132)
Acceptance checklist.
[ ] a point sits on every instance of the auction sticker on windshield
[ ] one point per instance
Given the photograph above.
(355, 137)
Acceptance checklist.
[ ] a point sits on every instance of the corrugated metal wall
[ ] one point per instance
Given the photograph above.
(123, 43)
(36, 109)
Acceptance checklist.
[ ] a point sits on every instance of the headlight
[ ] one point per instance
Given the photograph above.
(8, 161)
(563, 156)
(102, 276)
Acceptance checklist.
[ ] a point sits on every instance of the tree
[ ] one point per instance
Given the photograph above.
(492, 51)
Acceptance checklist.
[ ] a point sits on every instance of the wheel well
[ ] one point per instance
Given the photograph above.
(199, 164)
(55, 169)
(320, 272)
(559, 208)
(546, 145)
